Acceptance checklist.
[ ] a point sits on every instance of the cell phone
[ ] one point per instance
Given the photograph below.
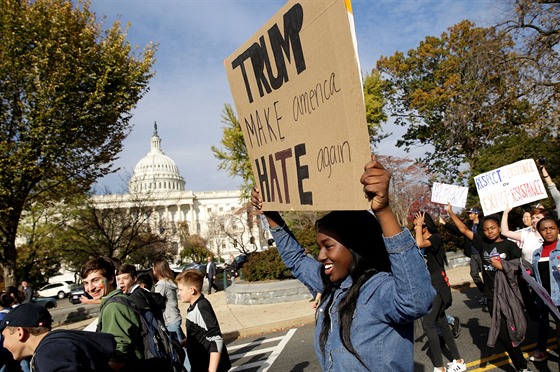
(541, 160)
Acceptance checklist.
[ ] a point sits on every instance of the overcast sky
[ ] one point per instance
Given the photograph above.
(190, 88)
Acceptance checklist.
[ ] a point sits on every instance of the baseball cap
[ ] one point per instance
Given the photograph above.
(474, 210)
(27, 315)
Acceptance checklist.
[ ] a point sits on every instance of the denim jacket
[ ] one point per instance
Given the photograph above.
(554, 273)
(388, 303)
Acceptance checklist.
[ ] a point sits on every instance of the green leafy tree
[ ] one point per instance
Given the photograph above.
(67, 88)
(458, 93)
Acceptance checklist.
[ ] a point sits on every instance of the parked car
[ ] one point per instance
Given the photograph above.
(47, 302)
(241, 259)
(76, 293)
(58, 289)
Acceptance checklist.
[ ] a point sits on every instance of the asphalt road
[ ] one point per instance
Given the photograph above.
(292, 350)
(66, 313)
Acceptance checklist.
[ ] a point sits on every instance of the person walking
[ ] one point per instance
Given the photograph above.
(475, 262)
(27, 292)
(167, 288)
(211, 275)
(373, 280)
(546, 264)
(26, 332)
(498, 253)
(428, 238)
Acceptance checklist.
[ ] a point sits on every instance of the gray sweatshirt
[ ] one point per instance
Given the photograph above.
(168, 290)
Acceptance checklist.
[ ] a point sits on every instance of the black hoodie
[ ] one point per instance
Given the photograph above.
(70, 350)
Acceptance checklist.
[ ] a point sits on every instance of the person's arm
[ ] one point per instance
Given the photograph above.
(418, 222)
(214, 362)
(505, 227)
(304, 268)
(546, 176)
(376, 188)
(459, 224)
(551, 187)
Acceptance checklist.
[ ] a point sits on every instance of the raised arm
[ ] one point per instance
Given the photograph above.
(458, 223)
(505, 227)
(376, 188)
(551, 187)
(418, 223)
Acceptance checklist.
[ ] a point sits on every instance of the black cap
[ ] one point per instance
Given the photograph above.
(27, 315)
(474, 210)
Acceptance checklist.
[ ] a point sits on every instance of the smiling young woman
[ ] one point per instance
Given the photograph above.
(370, 276)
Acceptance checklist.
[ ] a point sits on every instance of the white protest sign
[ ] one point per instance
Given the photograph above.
(298, 94)
(510, 186)
(541, 291)
(443, 193)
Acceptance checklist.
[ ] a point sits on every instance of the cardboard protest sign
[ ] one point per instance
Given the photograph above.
(298, 94)
(541, 291)
(455, 195)
(511, 185)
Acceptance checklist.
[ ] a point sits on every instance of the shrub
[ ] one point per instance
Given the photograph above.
(265, 265)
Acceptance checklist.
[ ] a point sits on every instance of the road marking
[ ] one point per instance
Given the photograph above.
(262, 365)
(502, 359)
(270, 360)
(240, 346)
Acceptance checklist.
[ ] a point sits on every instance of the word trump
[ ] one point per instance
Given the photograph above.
(281, 45)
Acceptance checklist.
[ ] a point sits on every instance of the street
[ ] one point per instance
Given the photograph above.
(292, 350)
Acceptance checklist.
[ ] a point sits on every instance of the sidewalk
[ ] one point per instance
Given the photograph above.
(250, 320)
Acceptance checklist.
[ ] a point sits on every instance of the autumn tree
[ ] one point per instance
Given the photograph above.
(195, 247)
(409, 190)
(458, 93)
(67, 88)
(535, 28)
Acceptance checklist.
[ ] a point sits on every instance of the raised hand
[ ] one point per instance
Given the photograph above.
(376, 184)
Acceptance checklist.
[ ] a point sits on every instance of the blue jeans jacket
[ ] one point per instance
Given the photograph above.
(388, 303)
(554, 273)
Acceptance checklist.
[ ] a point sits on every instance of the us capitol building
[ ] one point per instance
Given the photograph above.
(217, 216)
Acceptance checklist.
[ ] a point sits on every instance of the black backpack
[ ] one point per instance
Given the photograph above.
(159, 347)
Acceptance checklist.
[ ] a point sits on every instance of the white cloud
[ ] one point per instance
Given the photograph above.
(189, 90)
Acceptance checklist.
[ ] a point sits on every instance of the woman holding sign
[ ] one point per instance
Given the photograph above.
(428, 238)
(546, 268)
(372, 278)
(495, 251)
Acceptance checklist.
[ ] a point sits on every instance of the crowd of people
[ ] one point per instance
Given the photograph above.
(359, 274)
(139, 326)
(370, 273)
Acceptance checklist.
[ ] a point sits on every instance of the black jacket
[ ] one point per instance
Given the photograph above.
(71, 350)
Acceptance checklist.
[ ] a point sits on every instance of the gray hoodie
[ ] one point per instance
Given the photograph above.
(168, 290)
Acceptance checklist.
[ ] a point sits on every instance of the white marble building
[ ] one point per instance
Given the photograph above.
(156, 182)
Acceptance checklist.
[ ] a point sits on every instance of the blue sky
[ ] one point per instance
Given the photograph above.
(190, 88)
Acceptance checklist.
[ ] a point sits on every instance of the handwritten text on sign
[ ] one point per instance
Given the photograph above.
(511, 185)
(443, 193)
(299, 98)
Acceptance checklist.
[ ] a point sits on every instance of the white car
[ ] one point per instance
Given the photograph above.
(58, 289)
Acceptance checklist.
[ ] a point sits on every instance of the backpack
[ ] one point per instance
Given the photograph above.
(158, 345)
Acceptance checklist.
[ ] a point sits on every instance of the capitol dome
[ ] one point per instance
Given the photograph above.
(156, 172)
